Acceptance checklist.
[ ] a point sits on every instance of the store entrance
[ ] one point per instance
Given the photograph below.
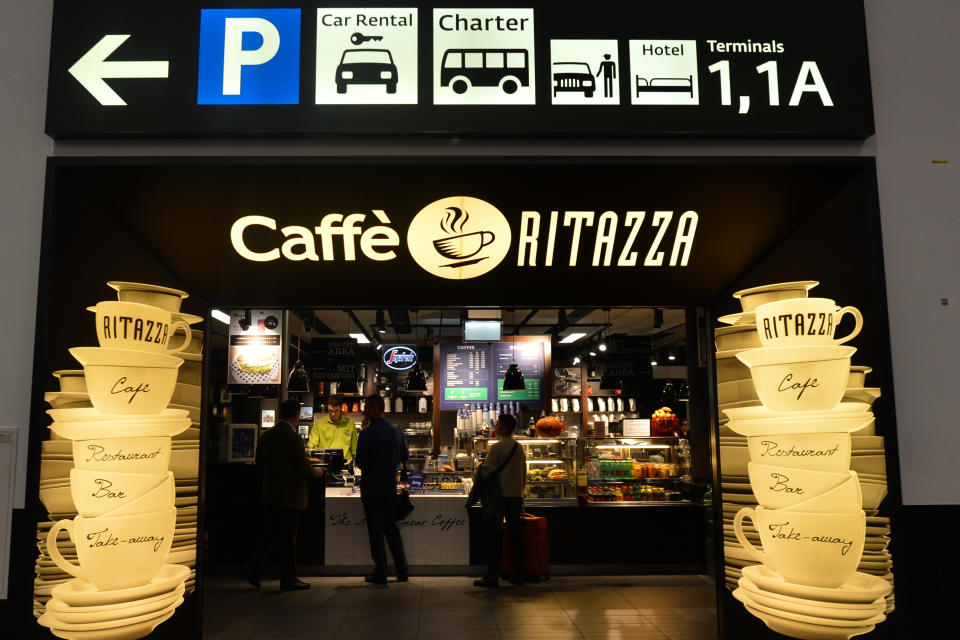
(308, 239)
(610, 406)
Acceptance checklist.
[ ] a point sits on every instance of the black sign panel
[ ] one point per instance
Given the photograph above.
(432, 231)
(335, 360)
(236, 68)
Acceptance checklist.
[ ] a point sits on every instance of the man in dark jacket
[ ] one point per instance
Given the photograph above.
(380, 450)
(285, 470)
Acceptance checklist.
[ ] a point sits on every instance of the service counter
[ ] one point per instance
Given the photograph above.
(655, 537)
(435, 534)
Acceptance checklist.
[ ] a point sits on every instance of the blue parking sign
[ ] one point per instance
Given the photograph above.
(249, 56)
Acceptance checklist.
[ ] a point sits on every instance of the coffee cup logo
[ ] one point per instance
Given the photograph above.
(459, 237)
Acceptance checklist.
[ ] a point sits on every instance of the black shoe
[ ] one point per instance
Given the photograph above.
(252, 577)
(295, 585)
(487, 583)
(375, 579)
(402, 577)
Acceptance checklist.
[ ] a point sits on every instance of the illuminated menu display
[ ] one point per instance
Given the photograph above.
(475, 372)
(465, 374)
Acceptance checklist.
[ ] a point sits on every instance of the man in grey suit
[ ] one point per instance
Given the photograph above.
(285, 469)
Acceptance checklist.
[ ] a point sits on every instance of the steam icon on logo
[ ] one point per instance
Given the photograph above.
(460, 246)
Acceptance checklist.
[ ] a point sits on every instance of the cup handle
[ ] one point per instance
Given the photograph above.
(747, 512)
(188, 336)
(483, 238)
(858, 318)
(54, 551)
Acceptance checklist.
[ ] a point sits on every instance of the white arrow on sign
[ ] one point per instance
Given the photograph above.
(93, 67)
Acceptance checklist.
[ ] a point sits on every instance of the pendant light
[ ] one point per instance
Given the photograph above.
(608, 381)
(668, 395)
(416, 380)
(513, 380)
(299, 381)
(349, 385)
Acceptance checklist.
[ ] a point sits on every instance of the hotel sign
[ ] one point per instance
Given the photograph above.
(542, 68)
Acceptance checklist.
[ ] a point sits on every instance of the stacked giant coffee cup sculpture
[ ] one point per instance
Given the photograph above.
(809, 529)
(115, 553)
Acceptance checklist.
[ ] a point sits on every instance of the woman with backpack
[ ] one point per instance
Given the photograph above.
(503, 476)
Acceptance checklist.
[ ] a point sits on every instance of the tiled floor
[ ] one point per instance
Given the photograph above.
(443, 608)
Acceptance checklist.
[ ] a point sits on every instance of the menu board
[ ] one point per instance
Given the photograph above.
(474, 373)
(529, 357)
(465, 374)
(255, 352)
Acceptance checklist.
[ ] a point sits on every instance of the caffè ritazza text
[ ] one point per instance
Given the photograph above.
(594, 238)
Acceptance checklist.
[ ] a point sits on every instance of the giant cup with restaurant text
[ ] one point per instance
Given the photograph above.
(815, 549)
(149, 455)
(813, 451)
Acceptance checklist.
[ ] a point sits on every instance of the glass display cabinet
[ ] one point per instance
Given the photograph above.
(551, 466)
(634, 470)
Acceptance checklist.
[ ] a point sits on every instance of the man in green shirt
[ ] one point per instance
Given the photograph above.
(335, 431)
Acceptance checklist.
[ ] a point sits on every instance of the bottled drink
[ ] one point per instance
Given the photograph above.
(422, 404)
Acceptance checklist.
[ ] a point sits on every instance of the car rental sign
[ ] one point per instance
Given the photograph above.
(542, 68)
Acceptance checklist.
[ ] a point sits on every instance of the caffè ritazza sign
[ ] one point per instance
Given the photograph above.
(462, 237)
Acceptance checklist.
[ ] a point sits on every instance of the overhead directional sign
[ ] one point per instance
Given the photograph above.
(543, 68)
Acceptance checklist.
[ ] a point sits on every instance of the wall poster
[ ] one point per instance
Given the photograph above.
(255, 347)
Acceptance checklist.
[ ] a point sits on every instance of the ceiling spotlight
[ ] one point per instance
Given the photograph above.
(380, 324)
(576, 360)
(653, 362)
(671, 356)
(593, 353)
(602, 346)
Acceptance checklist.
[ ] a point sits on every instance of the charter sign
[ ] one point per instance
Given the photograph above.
(462, 237)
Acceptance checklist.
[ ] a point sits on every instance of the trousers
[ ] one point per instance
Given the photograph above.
(379, 508)
(278, 526)
(513, 511)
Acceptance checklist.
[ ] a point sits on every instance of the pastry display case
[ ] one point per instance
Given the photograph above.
(632, 470)
(551, 466)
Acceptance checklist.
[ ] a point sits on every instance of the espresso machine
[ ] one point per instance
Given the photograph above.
(332, 460)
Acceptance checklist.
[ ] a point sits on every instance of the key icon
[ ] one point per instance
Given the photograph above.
(359, 38)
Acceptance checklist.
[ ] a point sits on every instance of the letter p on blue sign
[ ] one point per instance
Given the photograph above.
(249, 56)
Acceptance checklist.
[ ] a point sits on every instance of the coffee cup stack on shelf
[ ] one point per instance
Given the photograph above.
(112, 474)
(805, 559)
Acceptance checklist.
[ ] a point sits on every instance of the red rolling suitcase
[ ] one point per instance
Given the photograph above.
(536, 549)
